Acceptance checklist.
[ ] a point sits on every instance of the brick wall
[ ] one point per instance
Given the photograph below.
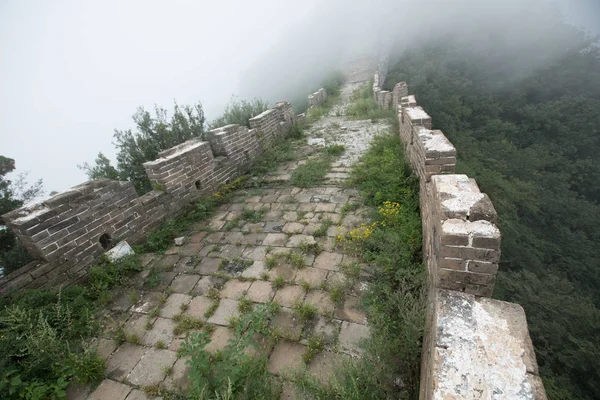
(67, 232)
(474, 347)
(317, 98)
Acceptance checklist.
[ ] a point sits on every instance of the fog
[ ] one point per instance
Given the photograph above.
(73, 71)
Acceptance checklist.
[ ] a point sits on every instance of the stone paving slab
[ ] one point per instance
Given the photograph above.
(287, 324)
(289, 295)
(152, 367)
(184, 283)
(198, 307)
(261, 291)
(122, 361)
(321, 300)
(351, 335)
(230, 263)
(162, 331)
(136, 394)
(227, 309)
(172, 307)
(219, 339)
(110, 390)
(313, 276)
(286, 357)
(177, 381)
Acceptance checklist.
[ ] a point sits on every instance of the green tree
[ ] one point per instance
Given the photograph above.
(154, 133)
(239, 112)
(13, 194)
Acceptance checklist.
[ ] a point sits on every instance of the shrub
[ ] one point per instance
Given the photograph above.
(41, 346)
(240, 112)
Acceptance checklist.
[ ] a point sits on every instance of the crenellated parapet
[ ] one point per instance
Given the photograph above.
(317, 98)
(474, 346)
(68, 231)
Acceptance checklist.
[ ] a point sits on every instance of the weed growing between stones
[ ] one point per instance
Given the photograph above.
(311, 173)
(232, 371)
(41, 347)
(363, 106)
(395, 299)
(314, 347)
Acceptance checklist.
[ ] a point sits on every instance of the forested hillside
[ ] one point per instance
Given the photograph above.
(530, 136)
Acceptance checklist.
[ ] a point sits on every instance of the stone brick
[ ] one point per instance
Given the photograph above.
(482, 267)
(151, 368)
(261, 292)
(162, 331)
(227, 309)
(198, 306)
(321, 300)
(173, 305)
(288, 295)
(184, 283)
(234, 289)
(351, 337)
(286, 358)
(110, 390)
(122, 361)
(328, 261)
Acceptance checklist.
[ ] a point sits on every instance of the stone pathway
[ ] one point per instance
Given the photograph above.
(212, 271)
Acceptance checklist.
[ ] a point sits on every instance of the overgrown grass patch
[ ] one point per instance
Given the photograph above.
(363, 106)
(395, 300)
(311, 173)
(232, 373)
(41, 342)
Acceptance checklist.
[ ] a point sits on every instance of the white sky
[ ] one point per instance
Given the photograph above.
(73, 71)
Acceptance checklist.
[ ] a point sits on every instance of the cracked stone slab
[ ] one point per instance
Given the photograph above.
(173, 305)
(473, 336)
(151, 368)
(351, 337)
(162, 331)
(110, 390)
(122, 361)
(227, 309)
(286, 358)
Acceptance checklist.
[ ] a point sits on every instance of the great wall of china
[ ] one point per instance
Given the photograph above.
(475, 347)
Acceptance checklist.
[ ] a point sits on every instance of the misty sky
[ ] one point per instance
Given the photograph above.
(73, 71)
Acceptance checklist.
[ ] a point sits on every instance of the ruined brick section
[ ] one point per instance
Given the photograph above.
(383, 98)
(183, 170)
(317, 98)
(67, 232)
(478, 348)
(400, 91)
(465, 240)
(474, 347)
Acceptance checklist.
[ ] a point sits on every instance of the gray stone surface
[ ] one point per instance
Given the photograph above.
(227, 309)
(351, 337)
(482, 346)
(152, 367)
(110, 390)
(122, 361)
